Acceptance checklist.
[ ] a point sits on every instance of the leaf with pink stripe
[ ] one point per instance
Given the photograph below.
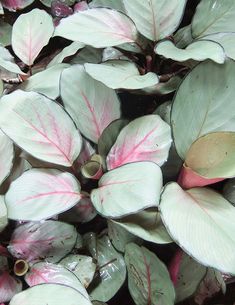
(13, 5)
(40, 126)
(147, 138)
(41, 193)
(92, 105)
(9, 286)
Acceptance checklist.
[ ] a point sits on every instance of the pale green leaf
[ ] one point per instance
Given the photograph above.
(148, 279)
(212, 243)
(155, 19)
(30, 33)
(6, 155)
(40, 126)
(5, 33)
(3, 214)
(58, 192)
(124, 75)
(214, 104)
(199, 50)
(183, 37)
(88, 54)
(98, 27)
(229, 190)
(128, 189)
(7, 61)
(114, 4)
(92, 105)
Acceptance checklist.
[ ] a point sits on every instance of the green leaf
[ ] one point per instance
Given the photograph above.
(41, 193)
(6, 155)
(212, 156)
(1, 87)
(162, 88)
(199, 50)
(214, 104)
(92, 105)
(111, 264)
(88, 54)
(147, 225)
(147, 138)
(213, 243)
(30, 33)
(49, 240)
(155, 19)
(40, 126)
(43, 272)
(183, 37)
(3, 214)
(188, 281)
(213, 16)
(124, 75)
(5, 33)
(148, 279)
(114, 4)
(82, 266)
(111, 28)
(50, 294)
(7, 61)
(128, 189)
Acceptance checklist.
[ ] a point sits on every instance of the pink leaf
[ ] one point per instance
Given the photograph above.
(13, 5)
(81, 6)
(174, 266)
(9, 286)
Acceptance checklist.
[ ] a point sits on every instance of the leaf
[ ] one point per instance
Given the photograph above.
(147, 138)
(212, 156)
(49, 240)
(7, 61)
(228, 191)
(88, 54)
(120, 237)
(92, 105)
(212, 244)
(43, 273)
(9, 286)
(14, 5)
(112, 269)
(147, 225)
(124, 75)
(199, 50)
(98, 27)
(82, 266)
(6, 156)
(39, 81)
(68, 51)
(5, 33)
(114, 4)
(183, 37)
(1, 87)
(188, 281)
(3, 214)
(30, 33)
(50, 294)
(148, 279)
(213, 104)
(155, 19)
(40, 126)
(162, 88)
(58, 192)
(212, 17)
(128, 189)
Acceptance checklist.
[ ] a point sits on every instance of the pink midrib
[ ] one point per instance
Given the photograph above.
(148, 276)
(48, 194)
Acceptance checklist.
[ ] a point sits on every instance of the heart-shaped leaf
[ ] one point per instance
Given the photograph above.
(147, 138)
(41, 193)
(9, 286)
(213, 243)
(128, 189)
(40, 126)
(111, 28)
(49, 240)
(30, 33)
(92, 105)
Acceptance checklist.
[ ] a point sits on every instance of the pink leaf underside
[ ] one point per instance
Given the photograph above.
(85, 210)
(8, 286)
(85, 154)
(45, 275)
(81, 6)
(189, 179)
(14, 4)
(174, 266)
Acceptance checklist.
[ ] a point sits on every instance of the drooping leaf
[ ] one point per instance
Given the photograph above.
(124, 75)
(147, 138)
(213, 243)
(199, 50)
(50, 294)
(128, 189)
(7, 61)
(98, 27)
(92, 105)
(14, 5)
(147, 225)
(82, 266)
(6, 156)
(5, 33)
(162, 88)
(111, 267)
(9, 286)
(155, 19)
(213, 104)
(114, 4)
(45, 82)
(49, 240)
(183, 37)
(190, 275)
(41, 193)
(68, 51)
(88, 54)
(148, 279)
(213, 16)
(30, 33)
(3, 214)
(40, 126)
(42, 273)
